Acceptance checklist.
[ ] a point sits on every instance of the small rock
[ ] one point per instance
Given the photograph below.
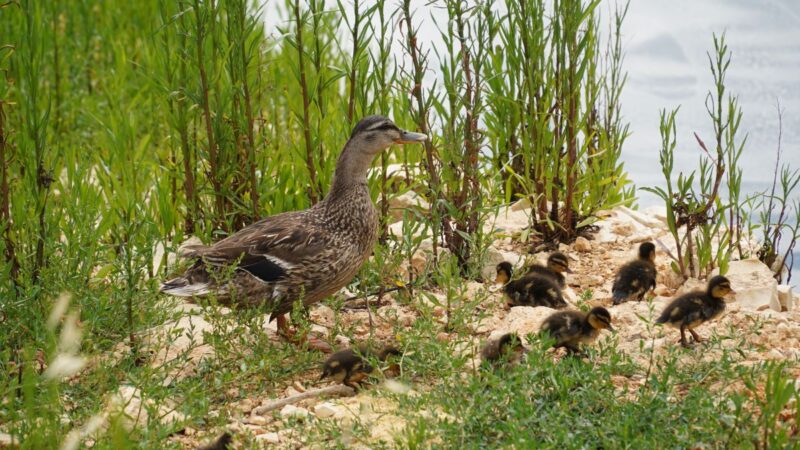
(623, 229)
(521, 204)
(662, 291)
(294, 411)
(582, 244)
(297, 385)
(439, 311)
(257, 420)
(325, 410)
(7, 440)
(786, 297)
(323, 315)
(407, 201)
(246, 405)
(443, 337)
(269, 438)
(754, 284)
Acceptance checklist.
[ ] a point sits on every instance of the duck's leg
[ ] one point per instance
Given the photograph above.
(683, 341)
(695, 336)
(292, 336)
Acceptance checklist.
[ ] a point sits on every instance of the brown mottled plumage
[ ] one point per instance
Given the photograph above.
(697, 307)
(506, 349)
(572, 328)
(636, 277)
(351, 367)
(300, 255)
(530, 290)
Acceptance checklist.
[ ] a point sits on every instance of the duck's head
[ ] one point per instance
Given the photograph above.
(719, 287)
(647, 251)
(558, 262)
(373, 134)
(600, 319)
(504, 271)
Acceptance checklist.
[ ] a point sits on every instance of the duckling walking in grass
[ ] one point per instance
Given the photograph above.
(301, 255)
(530, 290)
(557, 265)
(350, 367)
(572, 328)
(507, 349)
(695, 308)
(636, 277)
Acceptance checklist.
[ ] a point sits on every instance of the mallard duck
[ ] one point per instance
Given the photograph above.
(530, 290)
(572, 328)
(301, 255)
(636, 277)
(505, 349)
(351, 366)
(694, 308)
(221, 443)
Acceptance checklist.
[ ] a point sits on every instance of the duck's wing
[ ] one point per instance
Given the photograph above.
(268, 248)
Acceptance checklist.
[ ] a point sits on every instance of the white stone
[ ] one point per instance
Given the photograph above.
(257, 420)
(294, 411)
(786, 297)
(508, 221)
(493, 257)
(645, 219)
(7, 440)
(269, 438)
(754, 284)
(521, 204)
(406, 201)
(325, 410)
(127, 402)
(582, 244)
(522, 320)
(322, 315)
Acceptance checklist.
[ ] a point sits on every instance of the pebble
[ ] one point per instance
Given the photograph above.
(582, 244)
(269, 438)
(294, 411)
(256, 420)
(325, 410)
(246, 406)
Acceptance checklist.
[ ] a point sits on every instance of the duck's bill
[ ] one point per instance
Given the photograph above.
(408, 137)
(610, 328)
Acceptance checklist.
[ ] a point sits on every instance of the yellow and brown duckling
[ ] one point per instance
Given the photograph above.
(572, 328)
(507, 349)
(557, 265)
(636, 277)
(299, 255)
(695, 308)
(351, 366)
(530, 290)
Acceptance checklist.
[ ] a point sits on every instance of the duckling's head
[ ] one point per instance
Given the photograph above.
(510, 346)
(373, 134)
(719, 287)
(504, 271)
(647, 251)
(558, 262)
(599, 318)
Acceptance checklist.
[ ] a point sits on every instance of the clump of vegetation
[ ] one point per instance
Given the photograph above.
(128, 127)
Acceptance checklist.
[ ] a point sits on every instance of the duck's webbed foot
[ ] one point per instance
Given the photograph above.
(684, 343)
(695, 336)
(313, 342)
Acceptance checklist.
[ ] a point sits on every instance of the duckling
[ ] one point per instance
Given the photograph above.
(557, 264)
(299, 255)
(506, 349)
(530, 290)
(351, 367)
(571, 328)
(636, 277)
(694, 308)
(221, 443)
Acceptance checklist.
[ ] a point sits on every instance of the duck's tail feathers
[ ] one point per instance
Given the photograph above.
(664, 318)
(182, 287)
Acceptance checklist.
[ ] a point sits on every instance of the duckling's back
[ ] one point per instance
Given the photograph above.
(633, 281)
(545, 272)
(535, 290)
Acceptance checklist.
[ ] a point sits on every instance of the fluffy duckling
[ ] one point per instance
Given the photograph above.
(636, 277)
(694, 308)
(530, 290)
(351, 367)
(221, 443)
(572, 328)
(557, 264)
(506, 349)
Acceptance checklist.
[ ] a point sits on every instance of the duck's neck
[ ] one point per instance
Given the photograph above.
(351, 171)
